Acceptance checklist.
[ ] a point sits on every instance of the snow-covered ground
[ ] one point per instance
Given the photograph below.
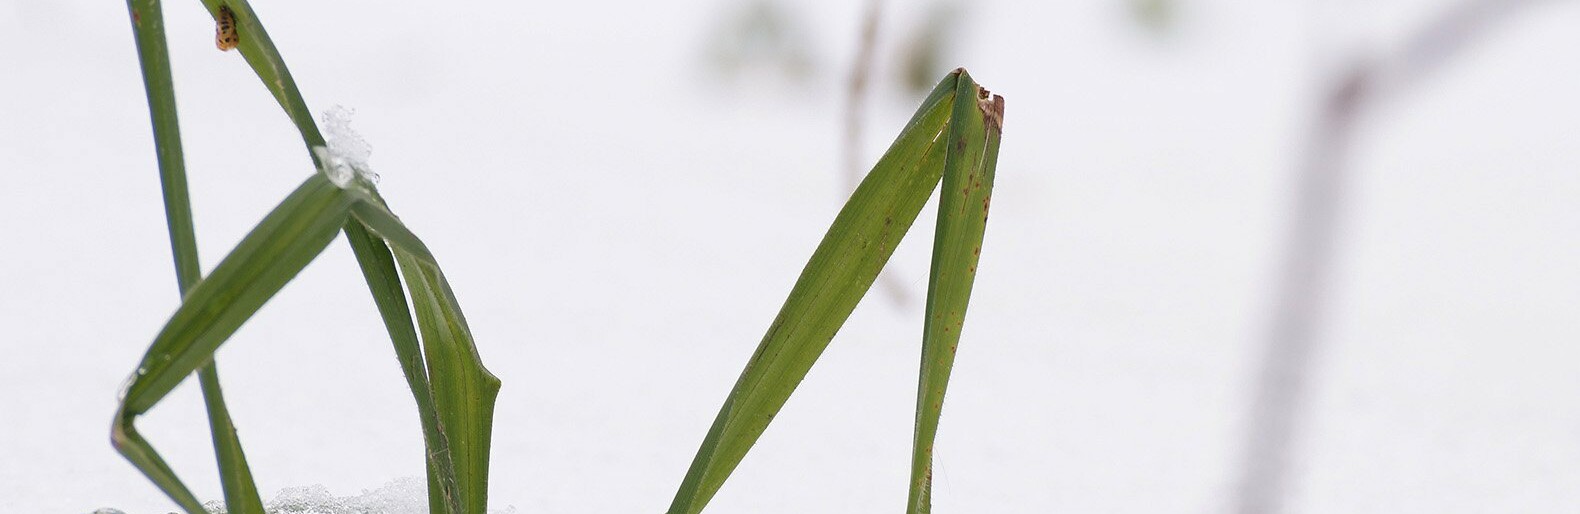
(598, 199)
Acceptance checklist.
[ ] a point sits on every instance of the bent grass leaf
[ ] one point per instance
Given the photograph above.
(840, 272)
(454, 392)
(266, 259)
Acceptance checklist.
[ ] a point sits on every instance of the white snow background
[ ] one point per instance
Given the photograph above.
(621, 225)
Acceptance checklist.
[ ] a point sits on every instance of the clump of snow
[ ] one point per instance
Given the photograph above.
(401, 496)
(108, 511)
(337, 168)
(344, 155)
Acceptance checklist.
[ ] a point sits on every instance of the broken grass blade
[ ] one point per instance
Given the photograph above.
(972, 139)
(838, 275)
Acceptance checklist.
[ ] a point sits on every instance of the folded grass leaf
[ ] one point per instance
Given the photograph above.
(266, 259)
(944, 136)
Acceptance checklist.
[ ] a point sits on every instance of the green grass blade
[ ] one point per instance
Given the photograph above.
(235, 476)
(375, 217)
(463, 390)
(269, 257)
(260, 53)
(839, 274)
(153, 55)
(973, 138)
(241, 494)
(273, 253)
(384, 282)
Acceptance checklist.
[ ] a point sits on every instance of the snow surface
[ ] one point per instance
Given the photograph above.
(403, 496)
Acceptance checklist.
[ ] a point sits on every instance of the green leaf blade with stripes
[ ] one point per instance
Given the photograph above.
(957, 244)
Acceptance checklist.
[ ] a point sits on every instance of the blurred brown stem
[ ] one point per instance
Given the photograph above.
(1278, 408)
(855, 105)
